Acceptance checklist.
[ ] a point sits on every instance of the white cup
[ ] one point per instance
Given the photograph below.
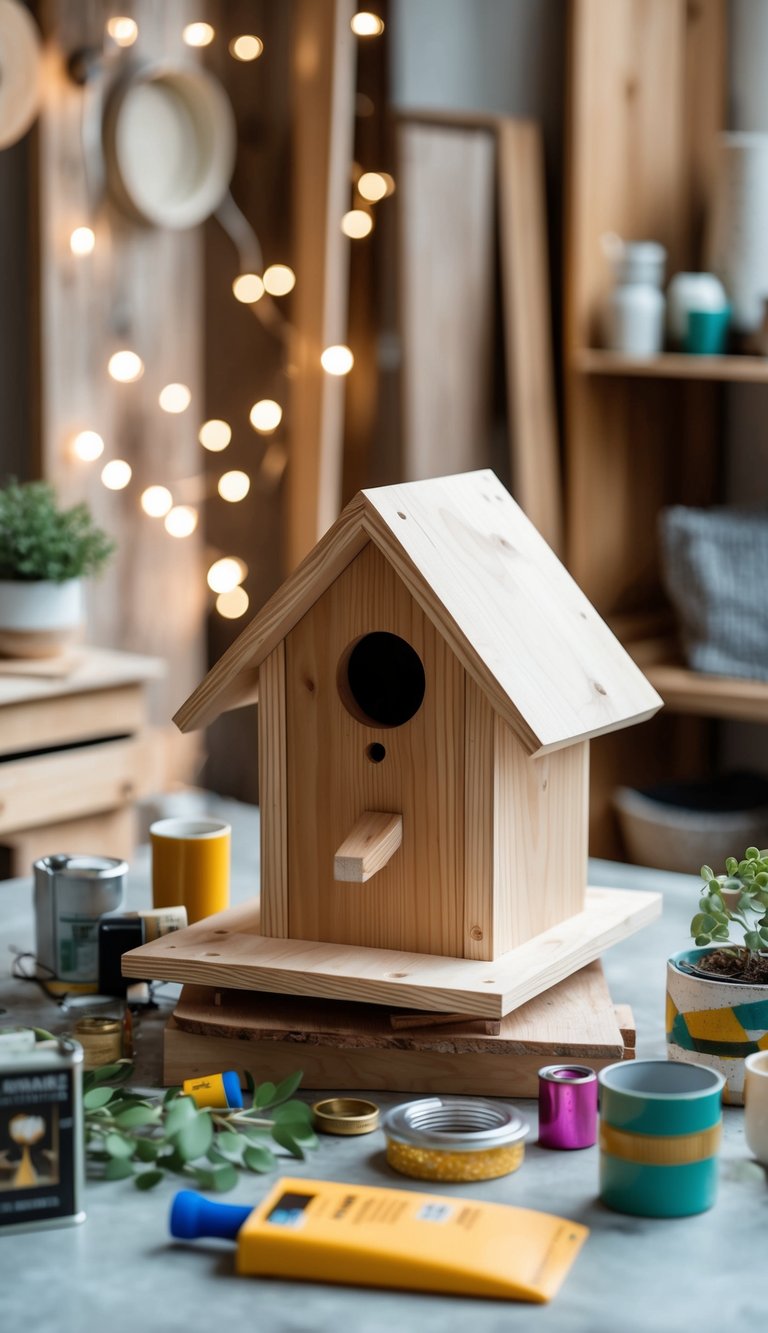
(756, 1104)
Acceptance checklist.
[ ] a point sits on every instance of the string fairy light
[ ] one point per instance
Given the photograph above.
(125, 366)
(356, 224)
(337, 360)
(265, 416)
(181, 521)
(248, 288)
(226, 573)
(234, 486)
(82, 241)
(365, 24)
(156, 501)
(198, 34)
(215, 435)
(232, 604)
(175, 398)
(246, 47)
(116, 474)
(87, 446)
(122, 30)
(279, 279)
(375, 185)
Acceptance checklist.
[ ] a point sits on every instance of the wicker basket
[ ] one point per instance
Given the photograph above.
(681, 826)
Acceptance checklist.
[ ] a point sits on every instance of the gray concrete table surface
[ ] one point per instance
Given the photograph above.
(119, 1270)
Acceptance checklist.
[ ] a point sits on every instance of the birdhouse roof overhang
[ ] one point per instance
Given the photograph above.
(510, 611)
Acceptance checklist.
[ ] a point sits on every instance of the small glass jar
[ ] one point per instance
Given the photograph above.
(454, 1139)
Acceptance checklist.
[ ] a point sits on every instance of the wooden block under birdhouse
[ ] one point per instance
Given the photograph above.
(352, 1046)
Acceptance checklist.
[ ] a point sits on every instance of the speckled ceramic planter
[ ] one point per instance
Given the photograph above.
(715, 1023)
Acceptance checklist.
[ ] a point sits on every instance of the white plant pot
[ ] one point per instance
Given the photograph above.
(736, 247)
(38, 618)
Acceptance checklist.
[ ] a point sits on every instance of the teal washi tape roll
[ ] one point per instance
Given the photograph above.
(660, 1125)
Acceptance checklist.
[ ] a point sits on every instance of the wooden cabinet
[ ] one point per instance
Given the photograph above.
(646, 102)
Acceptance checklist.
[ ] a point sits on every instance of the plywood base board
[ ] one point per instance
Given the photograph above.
(352, 1046)
(226, 951)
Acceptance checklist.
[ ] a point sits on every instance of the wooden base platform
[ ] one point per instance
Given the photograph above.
(354, 1046)
(226, 951)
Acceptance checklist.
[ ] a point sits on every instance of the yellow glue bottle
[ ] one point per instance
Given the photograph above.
(364, 1235)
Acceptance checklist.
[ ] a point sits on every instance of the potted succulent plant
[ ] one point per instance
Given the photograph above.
(717, 992)
(45, 552)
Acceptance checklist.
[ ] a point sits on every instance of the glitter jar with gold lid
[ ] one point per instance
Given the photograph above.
(454, 1139)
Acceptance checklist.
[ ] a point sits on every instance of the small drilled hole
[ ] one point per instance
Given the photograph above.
(213, 955)
(398, 974)
(489, 982)
(376, 752)
(221, 932)
(400, 514)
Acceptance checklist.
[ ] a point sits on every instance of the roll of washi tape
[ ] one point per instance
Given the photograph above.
(567, 1106)
(346, 1116)
(20, 72)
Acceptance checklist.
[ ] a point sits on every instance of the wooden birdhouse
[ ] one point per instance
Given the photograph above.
(428, 682)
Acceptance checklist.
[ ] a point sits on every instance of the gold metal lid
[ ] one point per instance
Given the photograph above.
(346, 1115)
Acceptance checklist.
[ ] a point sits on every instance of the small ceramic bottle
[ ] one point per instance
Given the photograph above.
(633, 316)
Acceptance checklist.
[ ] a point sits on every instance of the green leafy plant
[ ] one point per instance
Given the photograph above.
(40, 540)
(741, 896)
(130, 1134)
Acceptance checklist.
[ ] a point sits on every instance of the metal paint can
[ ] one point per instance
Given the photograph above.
(71, 893)
(41, 1133)
(101, 1039)
(567, 1106)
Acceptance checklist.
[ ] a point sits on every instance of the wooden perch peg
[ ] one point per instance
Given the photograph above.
(373, 841)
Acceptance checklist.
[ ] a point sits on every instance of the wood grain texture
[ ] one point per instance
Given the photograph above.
(109, 833)
(324, 57)
(540, 838)
(141, 288)
(368, 847)
(509, 610)
(56, 787)
(227, 952)
(674, 365)
(533, 442)
(353, 1046)
(273, 789)
(416, 901)
(446, 278)
(42, 723)
(478, 823)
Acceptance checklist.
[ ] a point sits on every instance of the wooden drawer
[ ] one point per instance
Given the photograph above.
(38, 724)
(51, 788)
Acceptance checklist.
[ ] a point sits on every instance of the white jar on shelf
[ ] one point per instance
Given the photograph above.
(737, 244)
(634, 320)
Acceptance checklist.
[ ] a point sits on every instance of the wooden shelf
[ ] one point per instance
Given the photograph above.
(674, 365)
(686, 691)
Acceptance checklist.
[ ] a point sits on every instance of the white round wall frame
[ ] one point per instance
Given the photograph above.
(169, 145)
(20, 72)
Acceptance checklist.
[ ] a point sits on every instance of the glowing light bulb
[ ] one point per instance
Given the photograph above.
(234, 486)
(357, 223)
(175, 398)
(248, 288)
(337, 360)
(88, 446)
(181, 521)
(246, 47)
(233, 604)
(374, 185)
(125, 367)
(116, 474)
(226, 573)
(122, 30)
(279, 279)
(215, 435)
(266, 415)
(156, 501)
(198, 34)
(365, 24)
(82, 241)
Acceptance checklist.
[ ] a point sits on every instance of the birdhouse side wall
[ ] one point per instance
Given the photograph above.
(541, 817)
(273, 795)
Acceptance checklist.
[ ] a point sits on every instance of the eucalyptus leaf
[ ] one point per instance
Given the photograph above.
(147, 1150)
(182, 1111)
(293, 1111)
(117, 1145)
(287, 1087)
(137, 1115)
(264, 1095)
(219, 1178)
(172, 1094)
(119, 1168)
(194, 1138)
(295, 1140)
(231, 1145)
(148, 1179)
(112, 1073)
(97, 1097)
(259, 1159)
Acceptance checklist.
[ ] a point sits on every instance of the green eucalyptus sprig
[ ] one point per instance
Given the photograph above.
(130, 1134)
(741, 896)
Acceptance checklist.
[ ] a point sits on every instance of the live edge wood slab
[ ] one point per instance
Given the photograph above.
(226, 951)
(353, 1046)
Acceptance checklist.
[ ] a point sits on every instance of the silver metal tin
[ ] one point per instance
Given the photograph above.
(71, 893)
(41, 1136)
(455, 1124)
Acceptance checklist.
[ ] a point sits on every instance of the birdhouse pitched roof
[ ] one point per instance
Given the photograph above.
(487, 580)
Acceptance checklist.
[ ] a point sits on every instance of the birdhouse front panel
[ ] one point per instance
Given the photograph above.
(375, 726)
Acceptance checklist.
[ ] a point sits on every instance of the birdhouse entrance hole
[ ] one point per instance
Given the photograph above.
(381, 680)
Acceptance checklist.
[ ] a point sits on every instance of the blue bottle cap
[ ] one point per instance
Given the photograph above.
(192, 1216)
(231, 1083)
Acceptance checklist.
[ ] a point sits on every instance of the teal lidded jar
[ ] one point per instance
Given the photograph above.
(660, 1125)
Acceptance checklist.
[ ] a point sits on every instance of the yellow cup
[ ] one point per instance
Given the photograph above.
(190, 865)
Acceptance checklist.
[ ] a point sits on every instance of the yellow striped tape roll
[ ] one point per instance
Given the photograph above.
(660, 1149)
